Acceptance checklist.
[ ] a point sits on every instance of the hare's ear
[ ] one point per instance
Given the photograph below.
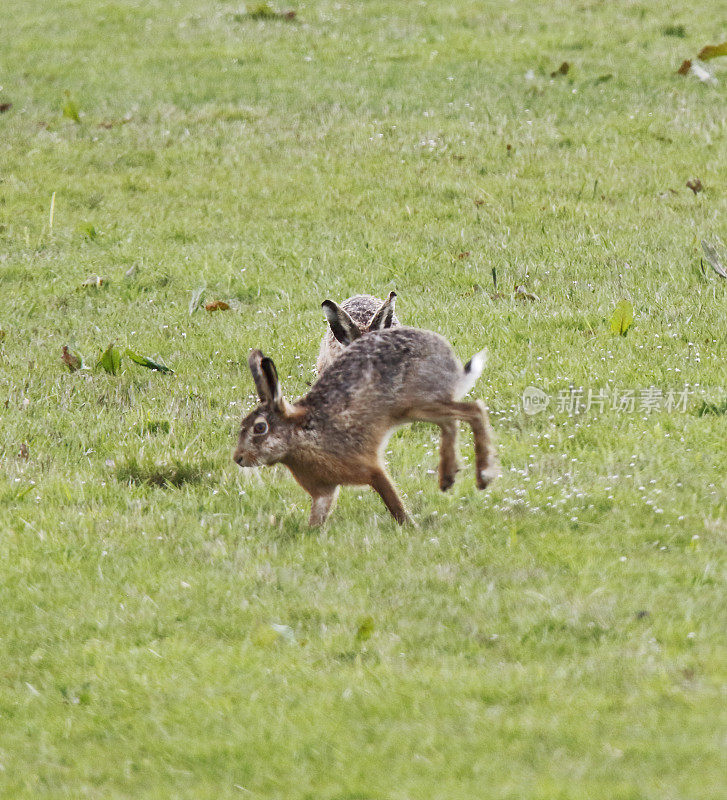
(271, 378)
(261, 376)
(342, 326)
(384, 317)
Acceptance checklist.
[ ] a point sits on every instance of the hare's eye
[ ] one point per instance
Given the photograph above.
(260, 427)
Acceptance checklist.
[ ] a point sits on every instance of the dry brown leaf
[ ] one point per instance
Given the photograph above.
(695, 185)
(685, 67)
(71, 360)
(110, 123)
(712, 51)
(479, 202)
(5, 107)
(217, 305)
(24, 452)
(465, 254)
(562, 70)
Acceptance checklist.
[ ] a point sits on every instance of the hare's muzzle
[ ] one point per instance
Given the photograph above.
(240, 458)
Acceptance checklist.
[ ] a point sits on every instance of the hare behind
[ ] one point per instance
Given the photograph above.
(336, 434)
(356, 316)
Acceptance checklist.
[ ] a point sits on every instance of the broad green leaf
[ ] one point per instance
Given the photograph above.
(263, 11)
(143, 361)
(88, 230)
(70, 109)
(110, 360)
(622, 318)
(712, 51)
(365, 628)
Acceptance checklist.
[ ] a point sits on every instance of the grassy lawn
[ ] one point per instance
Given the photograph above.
(170, 627)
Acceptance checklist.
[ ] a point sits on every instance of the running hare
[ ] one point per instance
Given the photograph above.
(337, 433)
(359, 314)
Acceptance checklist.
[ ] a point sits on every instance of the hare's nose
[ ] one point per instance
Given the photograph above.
(237, 458)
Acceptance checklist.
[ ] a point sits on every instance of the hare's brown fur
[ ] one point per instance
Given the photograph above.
(335, 435)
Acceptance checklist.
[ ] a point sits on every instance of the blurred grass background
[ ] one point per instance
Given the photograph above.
(561, 635)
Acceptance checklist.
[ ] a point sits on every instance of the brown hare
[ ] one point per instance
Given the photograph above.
(336, 434)
(359, 314)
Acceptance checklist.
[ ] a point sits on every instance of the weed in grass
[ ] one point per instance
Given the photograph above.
(706, 407)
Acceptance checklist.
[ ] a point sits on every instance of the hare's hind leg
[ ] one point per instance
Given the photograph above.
(475, 415)
(448, 467)
(485, 457)
(321, 507)
(447, 421)
(380, 482)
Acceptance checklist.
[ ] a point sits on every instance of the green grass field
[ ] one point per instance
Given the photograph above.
(169, 626)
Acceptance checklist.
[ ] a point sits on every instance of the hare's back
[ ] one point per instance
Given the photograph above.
(386, 371)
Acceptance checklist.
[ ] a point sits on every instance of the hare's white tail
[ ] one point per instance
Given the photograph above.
(472, 371)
